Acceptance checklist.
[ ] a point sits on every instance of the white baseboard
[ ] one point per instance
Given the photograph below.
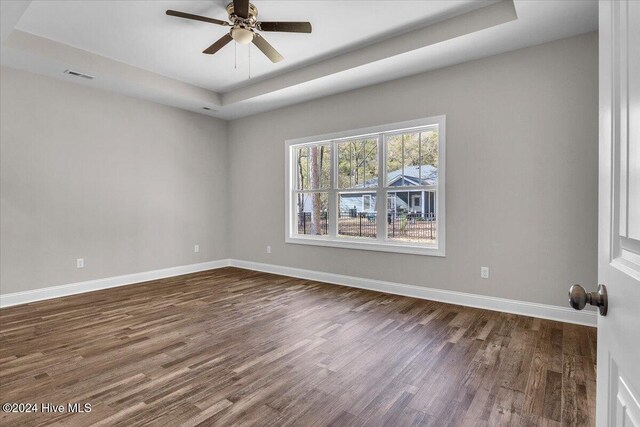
(16, 298)
(544, 311)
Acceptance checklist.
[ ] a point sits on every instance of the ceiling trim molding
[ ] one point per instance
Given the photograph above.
(457, 26)
(106, 70)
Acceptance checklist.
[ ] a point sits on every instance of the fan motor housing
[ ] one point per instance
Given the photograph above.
(251, 20)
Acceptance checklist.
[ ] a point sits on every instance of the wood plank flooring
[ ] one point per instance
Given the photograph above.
(235, 347)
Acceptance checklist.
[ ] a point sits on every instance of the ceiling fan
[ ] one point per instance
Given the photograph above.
(244, 26)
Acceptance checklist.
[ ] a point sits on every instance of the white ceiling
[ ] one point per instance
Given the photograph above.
(132, 47)
(139, 33)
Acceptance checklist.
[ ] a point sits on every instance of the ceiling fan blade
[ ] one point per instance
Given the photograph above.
(196, 17)
(266, 48)
(286, 27)
(241, 8)
(218, 45)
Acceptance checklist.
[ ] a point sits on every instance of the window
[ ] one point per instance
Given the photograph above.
(366, 202)
(415, 202)
(337, 185)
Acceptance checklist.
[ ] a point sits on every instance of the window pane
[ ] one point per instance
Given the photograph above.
(357, 215)
(394, 159)
(429, 156)
(312, 210)
(411, 216)
(313, 167)
(412, 158)
(358, 163)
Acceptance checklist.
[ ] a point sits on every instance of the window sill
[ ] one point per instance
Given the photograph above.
(399, 248)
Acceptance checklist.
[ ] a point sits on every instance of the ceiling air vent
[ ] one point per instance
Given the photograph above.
(77, 74)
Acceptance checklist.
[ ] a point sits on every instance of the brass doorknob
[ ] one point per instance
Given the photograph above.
(578, 298)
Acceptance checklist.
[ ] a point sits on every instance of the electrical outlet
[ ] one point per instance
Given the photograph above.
(80, 263)
(268, 249)
(484, 272)
(196, 248)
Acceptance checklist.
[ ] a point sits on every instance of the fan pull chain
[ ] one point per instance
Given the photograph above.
(235, 56)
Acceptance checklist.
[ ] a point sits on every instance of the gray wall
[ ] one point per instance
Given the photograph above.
(127, 184)
(131, 186)
(522, 145)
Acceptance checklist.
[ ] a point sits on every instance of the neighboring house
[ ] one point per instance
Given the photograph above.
(421, 203)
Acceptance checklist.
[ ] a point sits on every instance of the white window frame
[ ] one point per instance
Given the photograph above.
(381, 243)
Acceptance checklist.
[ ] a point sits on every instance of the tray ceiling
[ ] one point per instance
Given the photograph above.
(132, 47)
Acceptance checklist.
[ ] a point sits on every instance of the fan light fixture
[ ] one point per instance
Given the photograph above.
(245, 28)
(242, 35)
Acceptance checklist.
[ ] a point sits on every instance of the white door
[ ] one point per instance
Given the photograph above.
(618, 389)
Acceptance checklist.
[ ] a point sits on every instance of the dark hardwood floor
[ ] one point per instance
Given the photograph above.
(235, 347)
